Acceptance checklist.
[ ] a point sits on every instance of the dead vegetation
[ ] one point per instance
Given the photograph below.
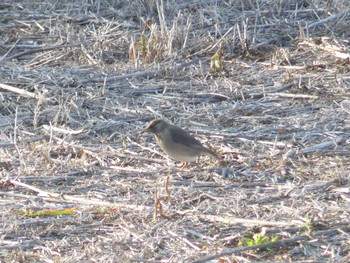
(79, 79)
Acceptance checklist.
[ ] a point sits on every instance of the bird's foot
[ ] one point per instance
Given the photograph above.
(184, 165)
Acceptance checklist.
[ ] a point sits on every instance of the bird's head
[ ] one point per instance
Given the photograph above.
(156, 126)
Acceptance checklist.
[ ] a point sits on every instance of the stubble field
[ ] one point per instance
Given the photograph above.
(264, 83)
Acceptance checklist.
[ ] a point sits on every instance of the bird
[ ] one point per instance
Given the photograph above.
(177, 143)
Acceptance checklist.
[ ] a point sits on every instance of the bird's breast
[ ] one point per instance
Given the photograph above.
(177, 150)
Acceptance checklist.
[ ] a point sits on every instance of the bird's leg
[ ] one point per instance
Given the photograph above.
(184, 165)
(197, 161)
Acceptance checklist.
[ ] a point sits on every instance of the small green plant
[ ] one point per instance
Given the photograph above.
(257, 239)
(216, 61)
(308, 223)
(48, 212)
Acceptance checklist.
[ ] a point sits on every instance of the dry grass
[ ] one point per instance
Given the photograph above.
(72, 105)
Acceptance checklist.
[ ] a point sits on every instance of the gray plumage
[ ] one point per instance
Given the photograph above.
(177, 143)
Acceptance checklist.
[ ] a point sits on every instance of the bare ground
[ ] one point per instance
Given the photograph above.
(75, 93)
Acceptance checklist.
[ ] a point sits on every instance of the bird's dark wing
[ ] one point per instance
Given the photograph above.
(178, 135)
